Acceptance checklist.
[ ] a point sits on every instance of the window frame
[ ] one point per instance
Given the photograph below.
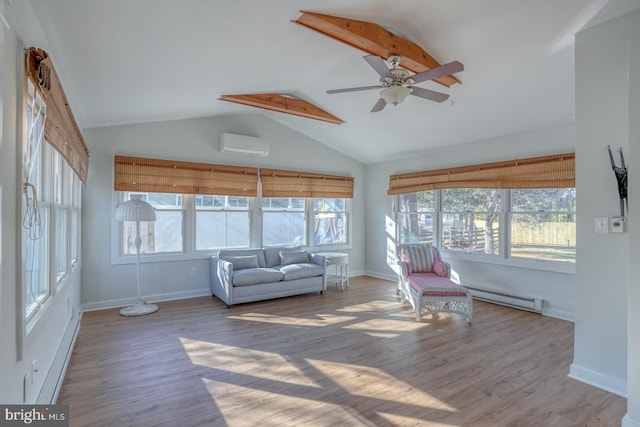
(59, 192)
(503, 257)
(189, 229)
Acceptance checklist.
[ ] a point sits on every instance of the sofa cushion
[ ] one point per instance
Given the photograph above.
(293, 257)
(243, 252)
(242, 262)
(419, 256)
(272, 255)
(301, 271)
(254, 276)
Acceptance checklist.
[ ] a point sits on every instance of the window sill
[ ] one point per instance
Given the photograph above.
(198, 255)
(552, 266)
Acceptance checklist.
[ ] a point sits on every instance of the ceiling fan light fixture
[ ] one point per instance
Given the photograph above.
(395, 94)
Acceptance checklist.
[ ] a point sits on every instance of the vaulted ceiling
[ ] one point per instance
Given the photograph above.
(124, 61)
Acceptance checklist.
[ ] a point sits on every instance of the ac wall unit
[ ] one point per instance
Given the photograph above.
(240, 144)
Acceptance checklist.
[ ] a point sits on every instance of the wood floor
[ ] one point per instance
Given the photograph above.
(352, 358)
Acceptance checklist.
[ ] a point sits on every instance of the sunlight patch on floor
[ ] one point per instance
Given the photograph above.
(386, 325)
(319, 321)
(373, 306)
(244, 361)
(249, 406)
(370, 382)
(399, 420)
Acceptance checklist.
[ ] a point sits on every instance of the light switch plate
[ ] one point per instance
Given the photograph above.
(602, 224)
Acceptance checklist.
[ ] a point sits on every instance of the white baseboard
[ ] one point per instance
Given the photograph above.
(628, 422)
(102, 305)
(559, 314)
(53, 382)
(377, 275)
(597, 379)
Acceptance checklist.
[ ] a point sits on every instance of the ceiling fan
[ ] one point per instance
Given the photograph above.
(397, 83)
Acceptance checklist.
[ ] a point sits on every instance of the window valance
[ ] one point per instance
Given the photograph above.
(284, 183)
(60, 128)
(553, 171)
(169, 176)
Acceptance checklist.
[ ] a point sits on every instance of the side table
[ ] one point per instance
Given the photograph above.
(341, 261)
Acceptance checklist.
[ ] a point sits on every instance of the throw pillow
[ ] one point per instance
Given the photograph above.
(440, 268)
(242, 262)
(420, 258)
(293, 257)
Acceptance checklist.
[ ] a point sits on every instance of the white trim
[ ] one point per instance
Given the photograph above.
(53, 382)
(597, 379)
(121, 302)
(377, 275)
(628, 422)
(559, 314)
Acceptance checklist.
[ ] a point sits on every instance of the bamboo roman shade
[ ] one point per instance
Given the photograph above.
(169, 176)
(60, 128)
(554, 171)
(283, 183)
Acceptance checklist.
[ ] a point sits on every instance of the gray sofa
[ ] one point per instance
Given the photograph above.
(245, 275)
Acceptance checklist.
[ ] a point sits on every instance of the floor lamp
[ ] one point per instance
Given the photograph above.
(137, 210)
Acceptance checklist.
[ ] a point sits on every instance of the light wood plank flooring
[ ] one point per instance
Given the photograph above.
(352, 358)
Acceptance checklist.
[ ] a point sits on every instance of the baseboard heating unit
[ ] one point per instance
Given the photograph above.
(513, 301)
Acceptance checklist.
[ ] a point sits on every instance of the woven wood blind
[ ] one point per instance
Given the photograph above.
(60, 128)
(554, 171)
(282, 183)
(169, 176)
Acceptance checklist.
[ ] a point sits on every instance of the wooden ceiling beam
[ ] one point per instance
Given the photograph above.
(375, 40)
(283, 104)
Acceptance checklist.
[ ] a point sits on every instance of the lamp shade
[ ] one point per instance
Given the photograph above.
(394, 94)
(135, 209)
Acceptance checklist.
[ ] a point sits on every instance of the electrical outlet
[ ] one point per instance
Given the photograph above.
(194, 271)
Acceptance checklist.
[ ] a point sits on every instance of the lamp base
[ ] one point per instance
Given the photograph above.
(138, 309)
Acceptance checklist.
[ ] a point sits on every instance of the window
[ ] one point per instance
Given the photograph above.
(61, 211)
(543, 224)
(53, 152)
(75, 219)
(189, 225)
(283, 221)
(50, 215)
(524, 224)
(471, 220)
(162, 235)
(415, 217)
(330, 220)
(36, 211)
(222, 222)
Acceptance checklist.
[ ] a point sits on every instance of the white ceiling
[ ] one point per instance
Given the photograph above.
(132, 61)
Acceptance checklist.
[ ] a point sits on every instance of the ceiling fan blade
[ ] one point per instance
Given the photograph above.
(354, 89)
(379, 65)
(379, 105)
(431, 95)
(441, 71)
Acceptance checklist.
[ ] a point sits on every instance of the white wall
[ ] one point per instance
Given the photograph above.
(603, 273)
(197, 140)
(557, 289)
(633, 316)
(48, 341)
